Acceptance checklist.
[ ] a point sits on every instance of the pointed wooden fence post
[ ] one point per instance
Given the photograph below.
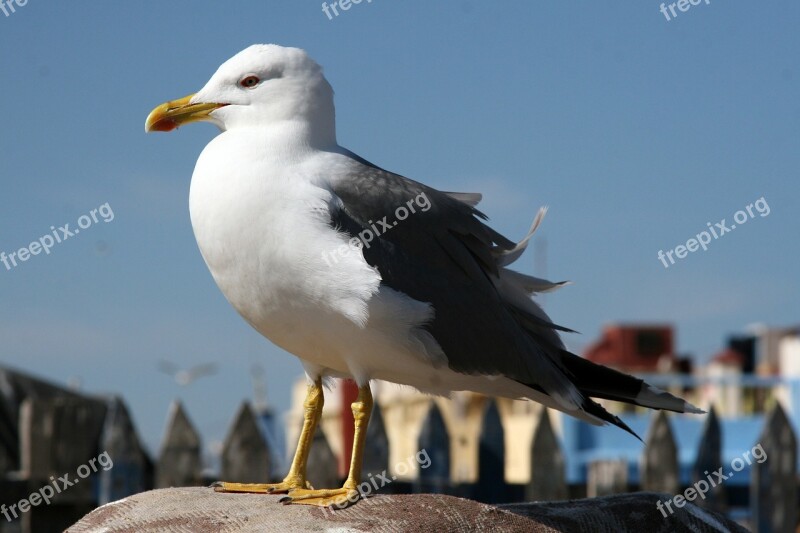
(322, 466)
(659, 464)
(271, 431)
(129, 474)
(245, 456)
(435, 440)
(709, 459)
(491, 486)
(376, 449)
(179, 464)
(773, 480)
(548, 475)
(607, 477)
(59, 434)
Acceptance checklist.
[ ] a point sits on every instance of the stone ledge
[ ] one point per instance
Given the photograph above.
(200, 509)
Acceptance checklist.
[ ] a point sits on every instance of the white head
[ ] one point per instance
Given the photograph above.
(261, 86)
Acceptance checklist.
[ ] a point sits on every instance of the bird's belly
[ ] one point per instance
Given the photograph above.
(267, 243)
(335, 316)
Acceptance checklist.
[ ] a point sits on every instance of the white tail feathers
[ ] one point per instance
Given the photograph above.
(506, 257)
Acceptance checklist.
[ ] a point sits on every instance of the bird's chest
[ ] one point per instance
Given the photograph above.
(251, 236)
(266, 241)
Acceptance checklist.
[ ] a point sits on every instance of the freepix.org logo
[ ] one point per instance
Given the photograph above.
(56, 236)
(682, 5)
(719, 229)
(9, 7)
(45, 495)
(376, 229)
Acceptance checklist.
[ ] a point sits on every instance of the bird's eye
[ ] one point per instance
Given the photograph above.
(249, 82)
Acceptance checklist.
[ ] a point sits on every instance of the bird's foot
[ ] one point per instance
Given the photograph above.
(261, 488)
(333, 498)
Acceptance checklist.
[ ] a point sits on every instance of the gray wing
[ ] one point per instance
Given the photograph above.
(447, 256)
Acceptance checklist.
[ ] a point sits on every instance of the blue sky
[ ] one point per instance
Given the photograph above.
(635, 130)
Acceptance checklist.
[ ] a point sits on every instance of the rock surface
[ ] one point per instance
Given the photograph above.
(200, 509)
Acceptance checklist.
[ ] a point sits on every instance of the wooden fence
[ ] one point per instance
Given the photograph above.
(46, 431)
(51, 441)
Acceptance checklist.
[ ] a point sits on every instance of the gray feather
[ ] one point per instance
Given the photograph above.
(448, 257)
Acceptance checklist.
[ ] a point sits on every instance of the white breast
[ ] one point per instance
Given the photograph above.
(262, 226)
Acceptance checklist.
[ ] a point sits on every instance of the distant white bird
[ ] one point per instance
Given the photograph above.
(188, 376)
(363, 273)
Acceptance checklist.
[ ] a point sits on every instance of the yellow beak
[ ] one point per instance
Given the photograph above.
(170, 115)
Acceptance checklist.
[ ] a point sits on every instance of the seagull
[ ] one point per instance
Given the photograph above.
(187, 376)
(362, 273)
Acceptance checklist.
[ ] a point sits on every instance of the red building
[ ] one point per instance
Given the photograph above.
(642, 348)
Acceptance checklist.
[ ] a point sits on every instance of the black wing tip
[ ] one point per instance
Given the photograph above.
(595, 409)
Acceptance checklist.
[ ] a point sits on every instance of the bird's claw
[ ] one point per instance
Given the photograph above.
(256, 488)
(333, 498)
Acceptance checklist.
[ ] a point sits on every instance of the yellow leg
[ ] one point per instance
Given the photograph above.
(296, 478)
(348, 494)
